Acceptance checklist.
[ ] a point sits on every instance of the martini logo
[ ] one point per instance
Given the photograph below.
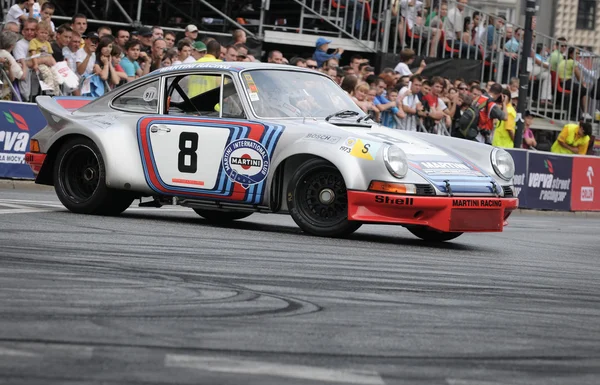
(246, 162)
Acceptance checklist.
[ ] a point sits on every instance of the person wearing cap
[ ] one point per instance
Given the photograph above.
(86, 56)
(201, 83)
(573, 139)
(321, 55)
(145, 37)
(504, 135)
(191, 32)
(198, 50)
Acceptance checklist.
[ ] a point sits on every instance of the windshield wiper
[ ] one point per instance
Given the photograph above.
(364, 118)
(342, 114)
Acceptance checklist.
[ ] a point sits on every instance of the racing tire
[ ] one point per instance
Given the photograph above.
(431, 235)
(80, 180)
(217, 216)
(318, 200)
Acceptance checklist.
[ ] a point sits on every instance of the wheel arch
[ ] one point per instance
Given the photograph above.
(283, 174)
(46, 176)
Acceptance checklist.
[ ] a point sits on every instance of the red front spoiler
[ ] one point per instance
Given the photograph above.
(35, 161)
(448, 214)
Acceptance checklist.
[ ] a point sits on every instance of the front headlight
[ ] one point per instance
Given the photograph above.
(503, 163)
(395, 161)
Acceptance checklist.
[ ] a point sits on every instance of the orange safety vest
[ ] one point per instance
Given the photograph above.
(485, 122)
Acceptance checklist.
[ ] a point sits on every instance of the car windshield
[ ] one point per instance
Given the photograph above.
(291, 94)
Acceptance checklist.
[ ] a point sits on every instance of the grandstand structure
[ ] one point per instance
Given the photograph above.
(374, 28)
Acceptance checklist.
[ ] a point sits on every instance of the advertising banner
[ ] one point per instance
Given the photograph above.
(549, 181)
(18, 122)
(520, 179)
(585, 194)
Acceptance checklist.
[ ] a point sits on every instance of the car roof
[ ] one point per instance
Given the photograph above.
(232, 67)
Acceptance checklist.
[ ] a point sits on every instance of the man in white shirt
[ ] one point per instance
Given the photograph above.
(20, 12)
(410, 9)
(21, 52)
(453, 30)
(411, 104)
(86, 56)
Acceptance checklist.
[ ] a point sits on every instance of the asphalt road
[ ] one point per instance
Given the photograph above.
(160, 296)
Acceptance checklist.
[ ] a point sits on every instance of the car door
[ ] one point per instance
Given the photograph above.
(202, 146)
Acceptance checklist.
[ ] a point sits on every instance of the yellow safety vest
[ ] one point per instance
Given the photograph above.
(569, 136)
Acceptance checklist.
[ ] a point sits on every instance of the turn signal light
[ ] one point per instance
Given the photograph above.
(34, 145)
(394, 188)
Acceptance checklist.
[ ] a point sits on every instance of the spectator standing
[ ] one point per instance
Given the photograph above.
(191, 32)
(407, 57)
(104, 67)
(170, 38)
(529, 141)
(411, 104)
(8, 40)
(123, 37)
(79, 24)
(504, 135)
(21, 54)
(20, 12)
(86, 56)
(494, 106)
(130, 64)
(64, 34)
(321, 55)
(184, 52)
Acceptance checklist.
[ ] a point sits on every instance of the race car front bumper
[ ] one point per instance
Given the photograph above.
(448, 214)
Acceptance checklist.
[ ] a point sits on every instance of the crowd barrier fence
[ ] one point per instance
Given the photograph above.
(543, 180)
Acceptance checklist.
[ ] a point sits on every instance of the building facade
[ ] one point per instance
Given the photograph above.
(576, 20)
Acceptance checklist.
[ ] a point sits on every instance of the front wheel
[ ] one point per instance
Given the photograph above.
(80, 180)
(318, 200)
(221, 216)
(431, 235)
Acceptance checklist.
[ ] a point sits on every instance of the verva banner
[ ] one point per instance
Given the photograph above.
(585, 194)
(18, 123)
(548, 181)
(520, 179)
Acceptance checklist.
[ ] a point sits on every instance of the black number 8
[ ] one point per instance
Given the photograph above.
(186, 151)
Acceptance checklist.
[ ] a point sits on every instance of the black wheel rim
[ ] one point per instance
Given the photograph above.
(80, 173)
(322, 197)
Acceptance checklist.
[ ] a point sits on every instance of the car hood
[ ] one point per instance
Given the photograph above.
(438, 164)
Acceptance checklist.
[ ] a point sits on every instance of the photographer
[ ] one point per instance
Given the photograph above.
(495, 106)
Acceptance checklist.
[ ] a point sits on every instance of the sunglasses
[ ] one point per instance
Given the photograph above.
(311, 66)
(463, 88)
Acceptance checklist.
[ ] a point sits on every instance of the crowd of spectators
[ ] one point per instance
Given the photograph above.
(102, 59)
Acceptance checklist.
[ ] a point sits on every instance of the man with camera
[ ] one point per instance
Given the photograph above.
(493, 105)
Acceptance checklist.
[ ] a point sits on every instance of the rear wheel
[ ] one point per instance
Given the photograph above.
(80, 180)
(221, 216)
(431, 235)
(318, 200)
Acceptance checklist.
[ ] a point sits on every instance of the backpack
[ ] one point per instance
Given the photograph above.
(469, 120)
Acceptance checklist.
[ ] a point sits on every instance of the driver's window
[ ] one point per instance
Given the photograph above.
(199, 95)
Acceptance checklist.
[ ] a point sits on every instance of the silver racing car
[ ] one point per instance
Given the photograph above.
(231, 139)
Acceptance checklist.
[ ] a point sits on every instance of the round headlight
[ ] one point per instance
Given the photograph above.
(395, 161)
(503, 164)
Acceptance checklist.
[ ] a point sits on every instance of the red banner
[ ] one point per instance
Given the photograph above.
(585, 193)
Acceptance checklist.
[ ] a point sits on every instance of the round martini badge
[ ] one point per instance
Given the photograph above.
(246, 162)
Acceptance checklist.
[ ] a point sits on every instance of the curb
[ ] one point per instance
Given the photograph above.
(20, 184)
(551, 213)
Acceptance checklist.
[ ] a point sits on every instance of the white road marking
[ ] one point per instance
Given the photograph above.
(456, 381)
(23, 211)
(314, 373)
(15, 353)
